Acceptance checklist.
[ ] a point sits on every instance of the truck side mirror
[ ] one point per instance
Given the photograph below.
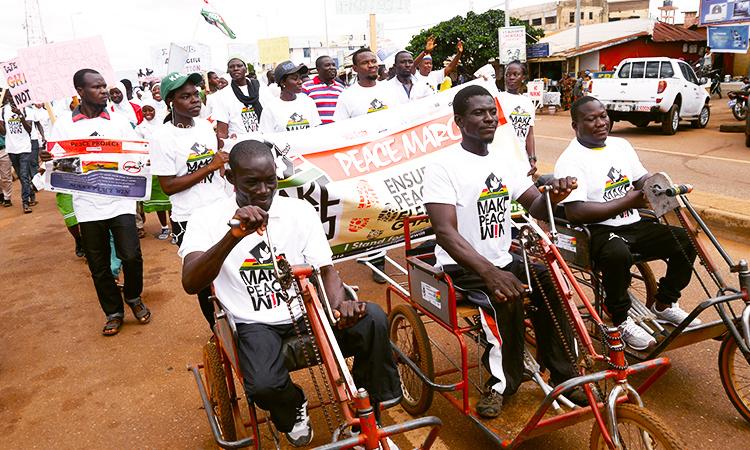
(702, 81)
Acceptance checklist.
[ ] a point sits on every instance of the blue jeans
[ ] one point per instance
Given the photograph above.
(20, 162)
(34, 161)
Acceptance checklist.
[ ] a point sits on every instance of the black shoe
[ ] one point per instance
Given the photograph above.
(376, 277)
(7, 203)
(490, 405)
(79, 249)
(578, 396)
(26, 208)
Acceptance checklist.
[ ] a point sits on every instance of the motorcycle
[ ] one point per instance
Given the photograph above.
(738, 103)
(712, 75)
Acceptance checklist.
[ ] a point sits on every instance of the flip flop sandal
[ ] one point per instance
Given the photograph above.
(140, 311)
(112, 327)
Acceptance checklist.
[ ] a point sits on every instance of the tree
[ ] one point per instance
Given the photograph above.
(479, 33)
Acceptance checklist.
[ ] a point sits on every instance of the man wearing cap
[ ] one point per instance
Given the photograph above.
(405, 86)
(324, 89)
(434, 78)
(238, 108)
(293, 110)
(99, 216)
(366, 96)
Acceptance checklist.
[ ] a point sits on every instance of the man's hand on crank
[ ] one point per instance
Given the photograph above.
(503, 285)
(349, 312)
(636, 199)
(561, 188)
(252, 219)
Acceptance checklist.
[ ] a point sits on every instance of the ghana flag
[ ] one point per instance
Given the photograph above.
(215, 19)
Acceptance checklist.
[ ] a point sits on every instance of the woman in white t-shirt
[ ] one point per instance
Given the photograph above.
(519, 109)
(293, 110)
(186, 157)
(158, 202)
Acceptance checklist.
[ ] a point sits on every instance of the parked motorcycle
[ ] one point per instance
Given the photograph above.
(713, 75)
(738, 104)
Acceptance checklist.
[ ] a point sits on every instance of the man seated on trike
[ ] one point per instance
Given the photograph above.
(239, 263)
(467, 194)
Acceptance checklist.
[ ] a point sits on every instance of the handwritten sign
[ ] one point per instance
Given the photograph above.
(181, 57)
(512, 44)
(16, 81)
(49, 68)
(535, 90)
(273, 50)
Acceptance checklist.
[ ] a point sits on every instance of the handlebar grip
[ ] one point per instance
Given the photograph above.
(678, 189)
(545, 188)
(234, 223)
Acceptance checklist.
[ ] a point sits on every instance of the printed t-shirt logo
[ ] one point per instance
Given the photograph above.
(256, 272)
(376, 105)
(521, 121)
(492, 207)
(14, 125)
(249, 119)
(200, 156)
(616, 186)
(297, 122)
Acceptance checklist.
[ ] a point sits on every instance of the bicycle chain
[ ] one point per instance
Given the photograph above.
(691, 239)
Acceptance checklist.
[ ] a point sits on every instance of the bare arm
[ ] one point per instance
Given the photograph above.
(531, 151)
(2, 128)
(349, 312)
(222, 130)
(172, 184)
(535, 203)
(456, 59)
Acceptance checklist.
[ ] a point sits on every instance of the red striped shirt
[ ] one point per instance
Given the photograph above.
(324, 95)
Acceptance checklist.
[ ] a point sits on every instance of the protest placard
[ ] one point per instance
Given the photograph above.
(16, 82)
(364, 175)
(49, 68)
(185, 57)
(274, 50)
(535, 90)
(512, 44)
(103, 167)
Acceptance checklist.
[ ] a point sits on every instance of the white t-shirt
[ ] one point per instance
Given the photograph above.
(433, 79)
(182, 151)
(146, 129)
(358, 100)
(481, 188)
(419, 89)
(17, 139)
(89, 208)
(246, 284)
(298, 114)
(519, 111)
(242, 121)
(603, 174)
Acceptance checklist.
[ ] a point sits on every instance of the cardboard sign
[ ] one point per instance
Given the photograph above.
(49, 68)
(16, 81)
(273, 51)
(181, 57)
(512, 44)
(535, 90)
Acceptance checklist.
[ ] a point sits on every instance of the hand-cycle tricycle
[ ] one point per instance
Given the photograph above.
(428, 298)
(671, 206)
(313, 347)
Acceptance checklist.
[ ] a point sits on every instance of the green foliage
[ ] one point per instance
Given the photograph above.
(250, 68)
(479, 33)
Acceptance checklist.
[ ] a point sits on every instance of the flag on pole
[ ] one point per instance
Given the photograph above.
(215, 19)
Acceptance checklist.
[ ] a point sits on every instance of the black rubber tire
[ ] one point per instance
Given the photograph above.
(408, 333)
(739, 112)
(698, 123)
(218, 392)
(643, 420)
(643, 284)
(734, 371)
(667, 122)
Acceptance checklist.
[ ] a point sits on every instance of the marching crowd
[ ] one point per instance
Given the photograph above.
(198, 186)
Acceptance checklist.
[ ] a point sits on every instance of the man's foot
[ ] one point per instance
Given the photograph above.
(490, 405)
(7, 203)
(636, 337)
(673, 314)
(140, 311)
(164, 235)
(302, 432)
(578, 396)
(112, 327)
(79, 249)
(141, 233)
(26, 208)
(33, 202)
(376, 277)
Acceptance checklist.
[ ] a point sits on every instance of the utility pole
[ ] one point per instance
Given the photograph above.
(34, 29)
(325, 19)
(373, 34)
(507, 13)
(578, 23)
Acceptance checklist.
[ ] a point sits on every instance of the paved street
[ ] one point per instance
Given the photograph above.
(63, 385)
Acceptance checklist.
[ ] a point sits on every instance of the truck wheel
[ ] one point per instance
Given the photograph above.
(702, 119)
(671, 120)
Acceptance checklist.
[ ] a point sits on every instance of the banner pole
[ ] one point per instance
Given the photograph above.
(50, 113)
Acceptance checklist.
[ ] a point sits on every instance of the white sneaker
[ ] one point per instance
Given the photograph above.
(636, 337)
(302, 432)
(674, 315)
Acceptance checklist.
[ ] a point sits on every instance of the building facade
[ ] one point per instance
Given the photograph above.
(561, 15)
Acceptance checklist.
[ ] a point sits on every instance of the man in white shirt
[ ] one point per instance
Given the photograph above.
(366, 96)
(610, 177)
(17, 128)
(405, 86)
(424, 64)
(467, 195)
(237, 108)
(238, 262)
(99, 216)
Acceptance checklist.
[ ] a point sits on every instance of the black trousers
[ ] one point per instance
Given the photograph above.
(612, 251)
(204, 295)
(267, 381)
(504, 327)
(95, 241)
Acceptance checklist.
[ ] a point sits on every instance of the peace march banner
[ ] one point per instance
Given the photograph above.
(103, 167)
(365, 175)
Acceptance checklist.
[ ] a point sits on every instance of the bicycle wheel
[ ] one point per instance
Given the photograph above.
(735, 375)
(407, 332)
(638, 428)
(643, 284)
(218, 392)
